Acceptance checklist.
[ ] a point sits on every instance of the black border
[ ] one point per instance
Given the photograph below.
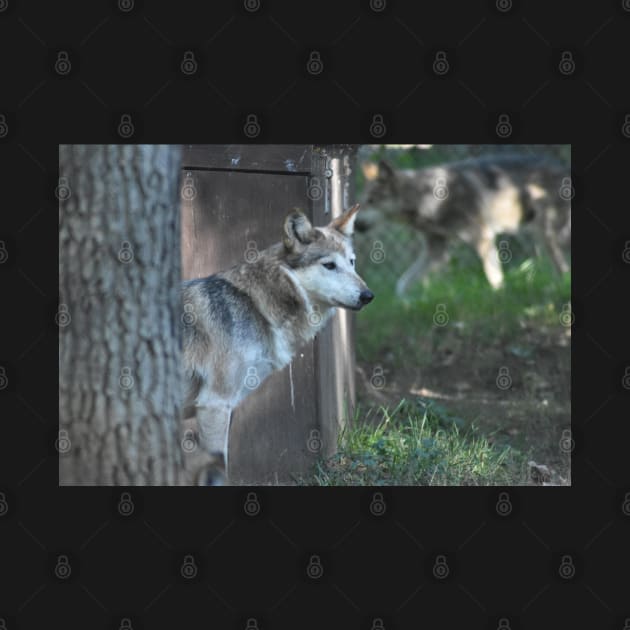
(503, 59)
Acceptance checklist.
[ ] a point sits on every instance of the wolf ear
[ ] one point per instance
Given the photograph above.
(370, 171)
(345, 222)
(385, 170)
(298, 230)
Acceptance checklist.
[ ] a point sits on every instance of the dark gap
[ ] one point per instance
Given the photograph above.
(245, 170)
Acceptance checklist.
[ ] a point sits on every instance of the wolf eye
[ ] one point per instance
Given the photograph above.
(330, 265)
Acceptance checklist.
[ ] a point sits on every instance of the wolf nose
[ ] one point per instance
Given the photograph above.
(366, 296)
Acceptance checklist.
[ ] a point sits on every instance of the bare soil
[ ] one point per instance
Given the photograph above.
(516, 391)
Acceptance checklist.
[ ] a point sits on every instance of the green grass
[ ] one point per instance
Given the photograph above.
(416, 443)
(533, 295)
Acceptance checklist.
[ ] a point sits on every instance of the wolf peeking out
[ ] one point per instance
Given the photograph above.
(254, 317)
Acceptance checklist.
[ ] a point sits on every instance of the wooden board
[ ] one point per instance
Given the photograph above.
(279, 158)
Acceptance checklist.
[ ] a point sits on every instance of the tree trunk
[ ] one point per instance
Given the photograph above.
(119, 315)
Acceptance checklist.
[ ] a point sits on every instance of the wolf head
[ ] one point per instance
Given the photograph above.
(323, 260)
(380, 195)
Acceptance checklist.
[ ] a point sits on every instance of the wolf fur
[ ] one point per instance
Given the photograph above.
(472, 201)
(242, 324)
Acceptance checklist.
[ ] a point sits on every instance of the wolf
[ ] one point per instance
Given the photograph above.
(242, 324)
(473, 201)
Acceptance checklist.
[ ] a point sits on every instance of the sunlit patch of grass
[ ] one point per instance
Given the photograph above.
(533, 294)
(416, 443)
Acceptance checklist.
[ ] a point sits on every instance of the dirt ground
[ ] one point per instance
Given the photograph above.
(464, 376)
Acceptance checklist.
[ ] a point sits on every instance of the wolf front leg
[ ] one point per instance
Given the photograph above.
(433, 255)
(550, 237)
(416, 270)
(214, 429)
(201, 468)
(411, 275)
(489, 255)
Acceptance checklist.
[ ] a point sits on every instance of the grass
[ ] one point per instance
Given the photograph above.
(416, 443)
(533, 295)
(420, 442)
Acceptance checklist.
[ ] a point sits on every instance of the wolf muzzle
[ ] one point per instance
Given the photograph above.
(366, 297)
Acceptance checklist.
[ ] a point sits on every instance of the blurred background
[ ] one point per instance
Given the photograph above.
(406, 243)
(459, 383)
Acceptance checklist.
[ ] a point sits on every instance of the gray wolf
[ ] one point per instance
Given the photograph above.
(473, 201)
(243, 323)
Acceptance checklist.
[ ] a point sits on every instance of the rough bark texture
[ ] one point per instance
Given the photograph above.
(119, 355)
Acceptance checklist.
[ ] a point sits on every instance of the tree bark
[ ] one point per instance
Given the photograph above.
(119, 316)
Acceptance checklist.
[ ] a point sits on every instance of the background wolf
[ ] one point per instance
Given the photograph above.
(244, 323)
(473, 200)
